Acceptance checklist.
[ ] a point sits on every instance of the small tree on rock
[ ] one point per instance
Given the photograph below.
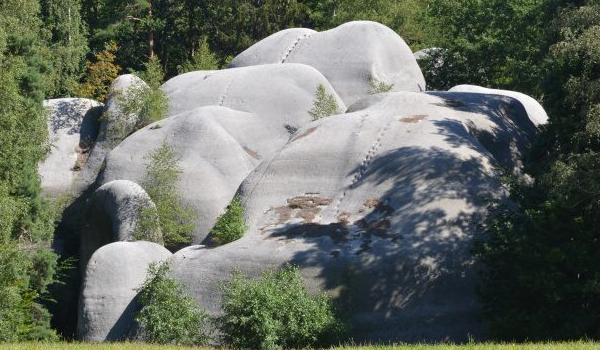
(324, 105)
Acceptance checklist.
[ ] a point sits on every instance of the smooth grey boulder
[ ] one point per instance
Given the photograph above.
(282, 95)
(112, 215)
(217, 148)
(107, 304)
(536, 112)
(73, 125)
(350, 56)
(378, 207)
(114, 126)
(252, 112)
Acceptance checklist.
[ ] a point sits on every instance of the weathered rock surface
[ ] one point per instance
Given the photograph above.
(220, 146)
(350, 56)
(281, 94)
(112, 214)
(378, 207)
(73, 125)
(114, 125)
(536, 112)
(107, 305)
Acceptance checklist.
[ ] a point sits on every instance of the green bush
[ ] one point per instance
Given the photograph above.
(276, 312)
(324, 105)
(146, 102)
(378, 87)
(230, 226)
(169, 315)
(176, 220)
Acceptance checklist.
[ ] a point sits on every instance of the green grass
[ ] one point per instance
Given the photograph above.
(132, 346)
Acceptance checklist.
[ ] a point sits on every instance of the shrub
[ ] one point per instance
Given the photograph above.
(276, 312)
(146, 102)
(324, 105)
(378, 87)
(176, 220)
(100, 73)
(169, 315)
(230, 226)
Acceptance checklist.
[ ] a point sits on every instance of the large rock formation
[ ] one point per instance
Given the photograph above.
(254, 111)
(73, 125)
(351, 56)
(378, 206)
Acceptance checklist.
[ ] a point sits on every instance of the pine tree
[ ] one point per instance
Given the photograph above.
(68, 44)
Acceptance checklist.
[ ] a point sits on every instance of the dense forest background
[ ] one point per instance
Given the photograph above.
(541, 262)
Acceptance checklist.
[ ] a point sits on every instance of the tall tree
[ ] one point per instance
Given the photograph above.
(26, 222)
(68, 44)
(542, 259)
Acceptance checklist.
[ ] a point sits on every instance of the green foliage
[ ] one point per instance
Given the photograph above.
(276, 312)
(230, 226)
(27, 263)
(496, 43)
(169, 315)
(409, 18)
(378, 87)
(541, 276)
(100, 73)
(145, 102)
(324, 105)
(175, 218)
(68, 44)
(202, 59)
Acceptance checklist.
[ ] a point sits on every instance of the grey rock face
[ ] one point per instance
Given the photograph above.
(72, 127)
(378, 207)
(107, 305)
(536, 112)
(219, 146)
(113, 126)
(112, 215)
(350, 56)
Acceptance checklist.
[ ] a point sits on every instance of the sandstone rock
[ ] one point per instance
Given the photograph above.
(220, 145)
(112, 215)
(536, 112)
(72, 127)
(282, 95)
(107, 305)
(114, 126)
(350, 56)
(217, 148)
(378, 207)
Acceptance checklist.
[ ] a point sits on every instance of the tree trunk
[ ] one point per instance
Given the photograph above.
(150, 32)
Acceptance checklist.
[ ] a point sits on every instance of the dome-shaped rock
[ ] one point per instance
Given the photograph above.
(107, 305)
(351, 56)
(112, 215)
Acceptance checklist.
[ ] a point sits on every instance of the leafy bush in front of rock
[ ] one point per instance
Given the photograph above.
(276, 312)
(169, 315)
